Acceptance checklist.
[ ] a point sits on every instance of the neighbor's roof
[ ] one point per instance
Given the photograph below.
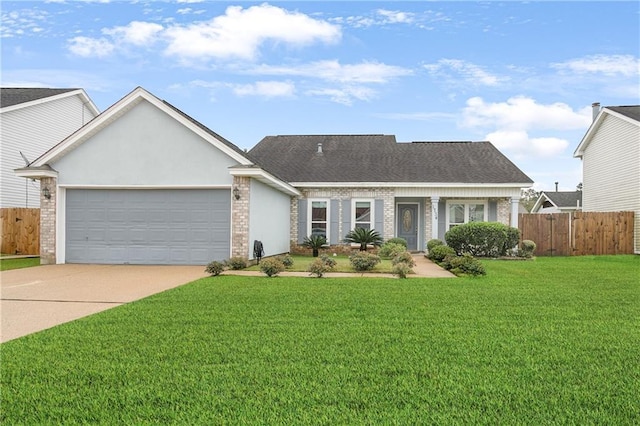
(10, 96)
(564, 198)
(379, 158)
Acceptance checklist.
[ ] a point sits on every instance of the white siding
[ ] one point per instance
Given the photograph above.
(145, 147)
(34, 130)
(611, 170)
(269, 219)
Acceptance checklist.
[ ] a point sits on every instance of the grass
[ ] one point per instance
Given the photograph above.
(27, 262)
(301, 264)
(552, 341)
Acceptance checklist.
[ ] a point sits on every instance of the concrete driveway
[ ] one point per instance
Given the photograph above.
(41, 297)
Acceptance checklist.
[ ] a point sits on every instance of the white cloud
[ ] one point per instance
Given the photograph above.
(344, 95)
(136, 33)
(269, 89)
(332, 70)
(610, 65)
(239, 33)
(523, 113)
(395, 17)
(468, 72)
(91, 47)
(523, 145)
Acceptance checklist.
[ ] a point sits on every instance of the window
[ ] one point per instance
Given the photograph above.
(319, 218)
(460, 212)
(362, 214)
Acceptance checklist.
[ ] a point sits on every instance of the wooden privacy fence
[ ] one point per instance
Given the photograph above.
(20, 231)
(578, 233)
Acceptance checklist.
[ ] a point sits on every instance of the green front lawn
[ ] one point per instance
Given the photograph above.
(551, 341)
(27, 262)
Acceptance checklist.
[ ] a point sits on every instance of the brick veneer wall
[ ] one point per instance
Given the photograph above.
(48, 222)
(504, 211)
(240, 217)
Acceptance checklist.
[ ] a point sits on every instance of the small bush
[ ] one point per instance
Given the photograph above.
(319, 267)
(433, 243)
(401, 269)
(487, 239)
(438, 253)
(286, 260)
(271, 267)
(363, 261)
(214, 268)
(236, 263)
(397, 240)
(404, 257)
(463, 265)
(329, 261)
(527, 248)
(390, 250)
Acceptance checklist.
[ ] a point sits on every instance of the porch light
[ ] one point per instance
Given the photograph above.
(236, 193)
(46, 193)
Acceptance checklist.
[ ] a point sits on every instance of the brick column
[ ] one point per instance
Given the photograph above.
(48, 222)
(240, 217)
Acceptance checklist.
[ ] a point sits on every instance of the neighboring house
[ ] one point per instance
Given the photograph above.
(32, 120)
(610, 153)
(145, 183)
(558, 202)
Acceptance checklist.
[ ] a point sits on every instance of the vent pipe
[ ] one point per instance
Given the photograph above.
(595, 109)
(556, 186)
(319, 148)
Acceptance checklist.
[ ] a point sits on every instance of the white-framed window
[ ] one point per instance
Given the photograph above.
(362, 215)
(465, 211)
(318, 218)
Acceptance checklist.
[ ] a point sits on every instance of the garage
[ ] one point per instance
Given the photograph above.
(147, 226)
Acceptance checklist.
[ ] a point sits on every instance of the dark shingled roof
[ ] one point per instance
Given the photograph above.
(631, 111)
(379, 158)
(565, 198)
(10, 96)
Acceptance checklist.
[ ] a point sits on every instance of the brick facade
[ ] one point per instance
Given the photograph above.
(48, 222)
(240, 217)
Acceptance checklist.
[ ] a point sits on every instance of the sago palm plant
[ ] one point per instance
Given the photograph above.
(364, 237)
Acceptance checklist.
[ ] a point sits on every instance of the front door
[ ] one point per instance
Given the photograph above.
(407, 226)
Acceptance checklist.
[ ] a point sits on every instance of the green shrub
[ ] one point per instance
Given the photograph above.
(433, 243)
(390, 250)
(527, 248)
(487, 239)
(404, 257)
(364, 237)
(363, 261)
(214, 268)
(315, 243)
(401, 269)
(319, 267)
(329, 261)
(463, 265)
(397, 240)
(236, 263)
(438, 253)
(271, 267)
(286, 260)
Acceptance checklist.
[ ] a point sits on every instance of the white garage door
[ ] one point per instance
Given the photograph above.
(177, 226)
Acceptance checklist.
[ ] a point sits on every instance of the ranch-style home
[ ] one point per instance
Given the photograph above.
(144, 183)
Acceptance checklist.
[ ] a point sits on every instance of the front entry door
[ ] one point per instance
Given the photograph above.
(407, 225)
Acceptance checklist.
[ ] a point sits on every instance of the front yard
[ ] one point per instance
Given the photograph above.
(550, 341)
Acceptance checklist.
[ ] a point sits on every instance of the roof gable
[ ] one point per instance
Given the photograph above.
(122, 107)
(630, 114)
(560, 199)
(379, 158)
(12, 98)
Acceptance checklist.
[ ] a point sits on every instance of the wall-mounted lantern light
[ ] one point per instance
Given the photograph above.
(46, 193)
(236, 193)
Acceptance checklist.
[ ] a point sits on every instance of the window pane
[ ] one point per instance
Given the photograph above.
(319, 211)
(319, 228)
(476, 212)
(456, 213)
(363, 226)
(363, 211)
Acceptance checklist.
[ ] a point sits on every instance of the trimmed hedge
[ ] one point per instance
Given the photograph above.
(485, 239)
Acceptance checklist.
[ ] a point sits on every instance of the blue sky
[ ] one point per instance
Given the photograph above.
(520, 74)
